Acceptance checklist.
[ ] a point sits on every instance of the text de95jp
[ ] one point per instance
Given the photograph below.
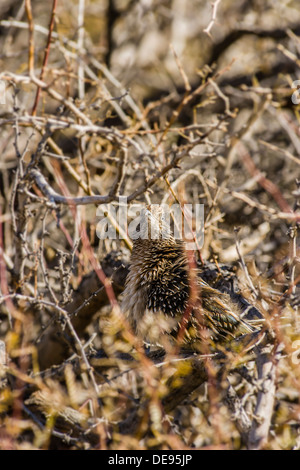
(171, 459)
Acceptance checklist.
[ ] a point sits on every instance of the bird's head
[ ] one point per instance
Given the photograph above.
(155, 223)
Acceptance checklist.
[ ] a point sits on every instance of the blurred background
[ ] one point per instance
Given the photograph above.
(159, 101)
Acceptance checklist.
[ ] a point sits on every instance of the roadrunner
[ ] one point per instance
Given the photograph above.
(159, 296)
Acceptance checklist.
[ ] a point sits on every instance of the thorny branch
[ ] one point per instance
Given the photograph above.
(150, 126)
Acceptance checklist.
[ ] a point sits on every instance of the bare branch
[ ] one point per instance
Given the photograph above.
(266, 368)
(215, 6)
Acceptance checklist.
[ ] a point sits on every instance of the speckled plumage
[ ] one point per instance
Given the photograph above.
(157, 290)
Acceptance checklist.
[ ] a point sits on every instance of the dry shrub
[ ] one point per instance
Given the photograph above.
(159, 102)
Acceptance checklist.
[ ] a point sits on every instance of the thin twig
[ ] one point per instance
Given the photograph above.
(244, 267)
(66, 317)
(262, 180)
(266, 369)
(80, 43)
(28, 10)
(46, 56)
(215, 6)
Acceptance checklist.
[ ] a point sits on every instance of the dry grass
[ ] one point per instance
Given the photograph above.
(159, 102)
